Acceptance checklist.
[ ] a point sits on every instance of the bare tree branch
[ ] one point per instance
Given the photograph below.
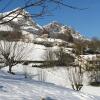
(38, 3)
(67, 5)
(44, 4)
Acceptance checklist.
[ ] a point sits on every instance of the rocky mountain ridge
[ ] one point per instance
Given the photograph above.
(30, 29)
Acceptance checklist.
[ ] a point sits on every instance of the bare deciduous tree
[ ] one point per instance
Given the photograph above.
(49, 58)
(76, 78)
(13, 52)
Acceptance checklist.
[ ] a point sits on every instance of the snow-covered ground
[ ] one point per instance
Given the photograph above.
(46, 83)
(17, 88)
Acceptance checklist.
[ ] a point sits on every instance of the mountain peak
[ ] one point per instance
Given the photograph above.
(29, 26)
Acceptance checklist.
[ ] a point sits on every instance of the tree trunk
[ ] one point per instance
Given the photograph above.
(10, 69)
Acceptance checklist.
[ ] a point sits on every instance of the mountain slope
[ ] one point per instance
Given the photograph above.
(31, 29)
(56, 28)
(23, 23)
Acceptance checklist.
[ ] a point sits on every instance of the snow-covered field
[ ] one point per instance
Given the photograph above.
(36, 86)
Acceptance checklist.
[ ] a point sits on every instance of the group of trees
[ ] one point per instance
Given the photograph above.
(60, 58)
(92, 65)
(94, 46)
(87, 47)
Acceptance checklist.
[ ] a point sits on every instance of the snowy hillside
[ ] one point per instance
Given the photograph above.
(16, 87)
(57, 28)
(31, 29)
(23, 21)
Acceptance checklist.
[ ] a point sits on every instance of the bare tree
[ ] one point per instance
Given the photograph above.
(75, 72)
(13, 52)
(76, 78)
(49, 58)
(25, 69)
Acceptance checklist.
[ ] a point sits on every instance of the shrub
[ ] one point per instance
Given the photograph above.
(76, 78)
(64, 59)
(95, 83)
(10, 36)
